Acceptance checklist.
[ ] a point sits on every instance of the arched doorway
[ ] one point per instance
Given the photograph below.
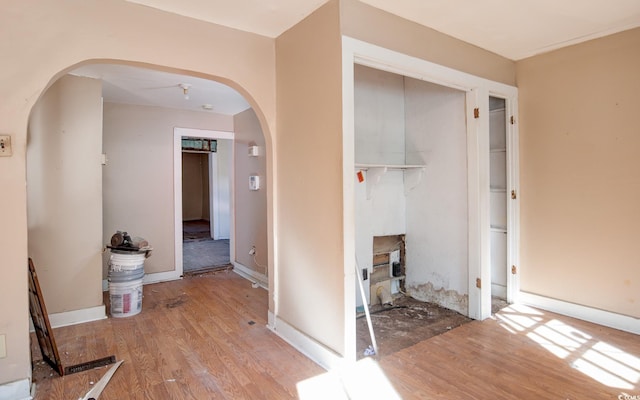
(135, 162)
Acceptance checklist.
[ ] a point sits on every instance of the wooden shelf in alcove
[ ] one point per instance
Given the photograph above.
(412, 175)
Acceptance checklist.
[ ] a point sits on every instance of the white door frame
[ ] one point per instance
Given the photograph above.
(477, 93)
(214, 220)
(178, 134)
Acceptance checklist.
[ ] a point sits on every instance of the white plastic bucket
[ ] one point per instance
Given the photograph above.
(126, 275)
(119, 261)
(125, 298)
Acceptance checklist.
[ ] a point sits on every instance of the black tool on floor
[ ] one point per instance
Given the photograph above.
(44, 333)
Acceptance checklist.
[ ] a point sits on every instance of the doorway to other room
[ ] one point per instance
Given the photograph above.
(206, 199)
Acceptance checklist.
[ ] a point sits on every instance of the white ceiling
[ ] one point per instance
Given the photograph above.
(515, 29)
(512, 28)
(131, 85)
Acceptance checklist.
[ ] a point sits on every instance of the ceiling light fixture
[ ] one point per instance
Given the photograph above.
(207, 107)
(185, 89)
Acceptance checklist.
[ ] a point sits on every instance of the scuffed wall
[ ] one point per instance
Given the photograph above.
(580, 173)
(64, 176)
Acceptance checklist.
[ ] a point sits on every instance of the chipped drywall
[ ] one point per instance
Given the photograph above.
(450, 299)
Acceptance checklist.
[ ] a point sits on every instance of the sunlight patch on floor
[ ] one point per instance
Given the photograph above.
(599, 360)
(362, 380)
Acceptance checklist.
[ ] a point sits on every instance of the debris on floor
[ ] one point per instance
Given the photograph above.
(407, 322)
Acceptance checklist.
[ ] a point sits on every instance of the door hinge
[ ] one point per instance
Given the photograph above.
(479, 283)
(514, 269)
(513, 120)
(476, 113)
(513, 195)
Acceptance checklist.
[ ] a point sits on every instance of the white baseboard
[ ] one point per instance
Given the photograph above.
(600, 317)
(253, 276)
(315, 351)
(17, 390)
(161, 277)
(74, 317)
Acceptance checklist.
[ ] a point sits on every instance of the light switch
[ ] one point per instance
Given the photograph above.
(5, 145)
(254, 182)
(3, 345)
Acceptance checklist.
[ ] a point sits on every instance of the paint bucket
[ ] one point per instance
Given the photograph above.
(126, 261)
(125, 298)
(126, 271)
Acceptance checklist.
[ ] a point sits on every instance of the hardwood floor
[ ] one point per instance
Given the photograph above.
(195, 340)
(520, 353)
(203, 337)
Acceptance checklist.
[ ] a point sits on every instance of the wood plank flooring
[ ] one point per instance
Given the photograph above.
(203, 337)
(195, 340)
(520, 353)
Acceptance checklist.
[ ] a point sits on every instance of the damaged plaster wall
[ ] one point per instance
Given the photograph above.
(400, 120)
(437, 229)
(450, 299)
(379, 137)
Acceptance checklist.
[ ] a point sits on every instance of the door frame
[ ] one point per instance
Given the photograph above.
(178, 134)
(477, 91)
(512, 184)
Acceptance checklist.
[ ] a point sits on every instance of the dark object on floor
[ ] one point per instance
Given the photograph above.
(207, 270)
(101, 362)
(44, 333)
(405, 324)
(41, 324)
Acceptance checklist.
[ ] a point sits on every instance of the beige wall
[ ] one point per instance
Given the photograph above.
(138, 141)
(309, 169)
(580, 173)
(64, 176)
(195, 184)
(47, 37)
(361, 21)
(250, 206)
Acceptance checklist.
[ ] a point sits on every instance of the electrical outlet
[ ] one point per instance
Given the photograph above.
(5, 145)
(252, 251)
(3, 345)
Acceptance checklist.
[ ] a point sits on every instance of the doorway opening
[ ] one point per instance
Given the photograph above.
(206, 199)
(203, 163)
